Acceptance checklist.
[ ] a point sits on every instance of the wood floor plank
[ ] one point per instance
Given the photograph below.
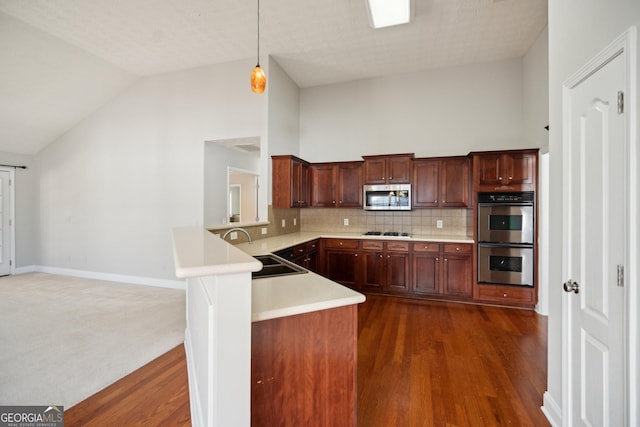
(420, 364)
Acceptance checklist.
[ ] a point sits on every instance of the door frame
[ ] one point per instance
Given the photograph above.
(12, 215)
(627, 43)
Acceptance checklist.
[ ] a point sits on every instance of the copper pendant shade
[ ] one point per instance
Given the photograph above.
(258, 77)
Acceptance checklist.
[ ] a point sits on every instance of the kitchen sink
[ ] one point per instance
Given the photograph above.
(273, 266)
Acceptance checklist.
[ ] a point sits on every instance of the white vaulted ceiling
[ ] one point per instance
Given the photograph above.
(315, 42)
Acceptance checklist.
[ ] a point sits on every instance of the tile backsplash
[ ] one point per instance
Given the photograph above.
(456, 222)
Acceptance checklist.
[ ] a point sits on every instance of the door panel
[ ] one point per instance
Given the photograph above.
(594, 245)
(5, 228)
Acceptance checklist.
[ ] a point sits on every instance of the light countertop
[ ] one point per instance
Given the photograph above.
(198, 252)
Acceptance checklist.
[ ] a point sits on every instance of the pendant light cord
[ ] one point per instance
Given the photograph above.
(258, 34)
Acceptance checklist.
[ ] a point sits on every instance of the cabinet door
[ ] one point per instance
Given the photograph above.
(299, 184)
(349, 185)
(399, 170)
(519, 168)
(426, 273)
(455, 183)
(456, 277)
(397, 266)
(323, 186)
(375, 171)
(489, 169)
(372, 270)
(425, 183)
(342, 267)
(304, 186)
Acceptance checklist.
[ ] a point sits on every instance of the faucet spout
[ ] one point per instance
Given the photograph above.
(242, 230)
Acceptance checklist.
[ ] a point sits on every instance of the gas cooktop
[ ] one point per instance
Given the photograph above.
(387, 234)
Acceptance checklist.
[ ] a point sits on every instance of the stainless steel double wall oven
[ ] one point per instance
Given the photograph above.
(506, 237)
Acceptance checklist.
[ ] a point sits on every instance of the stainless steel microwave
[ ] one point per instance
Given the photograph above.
(387, 197)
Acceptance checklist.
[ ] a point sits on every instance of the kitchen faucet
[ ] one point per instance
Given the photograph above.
(224, 236)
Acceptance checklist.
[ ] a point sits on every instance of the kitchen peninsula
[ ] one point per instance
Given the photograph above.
(288, 363)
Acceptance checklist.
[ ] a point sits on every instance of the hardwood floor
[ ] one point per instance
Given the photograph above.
(423, 363)
(157, 394)
(420, 363)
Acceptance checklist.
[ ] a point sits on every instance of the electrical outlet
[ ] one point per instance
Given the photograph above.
(439, 223)
(346, 222)
(295, 221)
(234, 235)
(264, 230)
(284, 222)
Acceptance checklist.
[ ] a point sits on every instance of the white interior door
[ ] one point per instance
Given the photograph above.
(595, 245)
(5, 223)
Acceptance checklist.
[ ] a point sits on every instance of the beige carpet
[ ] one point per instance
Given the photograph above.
(64, 338)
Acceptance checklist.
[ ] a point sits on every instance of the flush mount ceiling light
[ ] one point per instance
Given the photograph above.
(258, 77)
(386, 13)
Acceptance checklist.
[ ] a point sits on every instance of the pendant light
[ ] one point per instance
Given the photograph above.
(258, 77)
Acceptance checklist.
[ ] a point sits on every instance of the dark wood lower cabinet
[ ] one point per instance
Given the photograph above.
(408, 268)
(303, 369)
(442, 270)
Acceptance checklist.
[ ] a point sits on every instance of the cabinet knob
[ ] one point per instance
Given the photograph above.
(426, 246)
(333, 201)
(446, 260)
(388, 256)
(390, 177)
(356, 255)
(510, 178)
(437, 259)
(380, 255)
(499, 178)
(457, 249)
(435, 201)
(504, 295)
(340, 243)
(444, 201)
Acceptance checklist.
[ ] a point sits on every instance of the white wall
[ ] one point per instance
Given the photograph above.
(112, 188)
(535, 108)
(284, 117)
(441, 112)
(535, 92)
(26, 208)
(578, 30)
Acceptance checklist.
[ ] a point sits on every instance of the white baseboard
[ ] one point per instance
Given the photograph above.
(551, 410)
(24, 270)
(135, 280)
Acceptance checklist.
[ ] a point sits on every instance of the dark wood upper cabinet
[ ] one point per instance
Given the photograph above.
(505, 170)
(323, 177)
(290, 182)
(441, 182)
(388, 169)
(336, 184)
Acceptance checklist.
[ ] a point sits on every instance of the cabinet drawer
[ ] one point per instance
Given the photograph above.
(374, 245)
(300, 250)
(398, 246)
(506, 294)
(312, 247)
(341, 243)
(457, 248)
(426, 247)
